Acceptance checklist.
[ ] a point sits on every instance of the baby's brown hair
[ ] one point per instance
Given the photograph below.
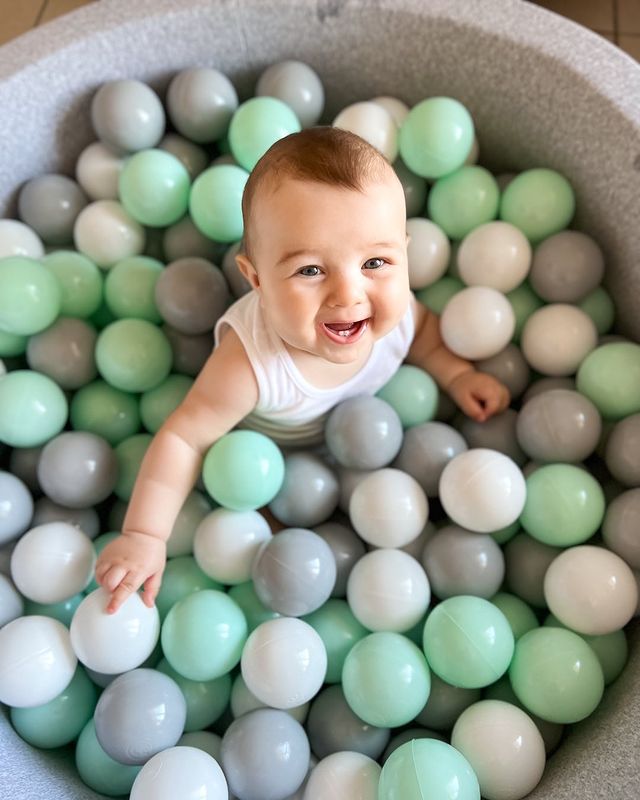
(323, 154)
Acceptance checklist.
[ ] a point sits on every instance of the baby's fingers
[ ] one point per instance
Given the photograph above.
(129, 584)
(151, 589)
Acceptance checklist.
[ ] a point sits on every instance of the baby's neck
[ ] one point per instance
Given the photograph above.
(321, 373)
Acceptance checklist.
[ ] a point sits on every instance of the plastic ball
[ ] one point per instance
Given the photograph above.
(11, 603)
(64, 352)
(284, 662)
(519, 614)
(339, 630)
(373, 123)
(463, 200)
(114, 643)
(622, 451)
(347, 547)
(33, 408)
(158, 403)
(557, 338)
(598, 305)
(620, 527)
(194, 509)
(127, 115)
(297, 85)
(610, 377)
(154, 187)
(200, 103)
(344, 776)
(191, 295)
(540, 202)
(482, 490)
(413, 394)
(363, 432)
(16, 509)
(105, 233)
(187, 772)
(508, 366)
(495, 254)
(98, 770)
(309, 493)
(242, 700)
(497, 433)
(252, 607)
(30, 296)
(566, 267)
(37, 661)
(18, 239)
(98, 170)
(49, 204)
(105, 411)
(215, 202)
(184, 240)
(428, 252)
(445, 704)
(426, 450)
(256, 125)
(415, 188)
(133, 355)
(527, 561)
(129, 288)
(182, 576)
(203, 740)
(477, 322)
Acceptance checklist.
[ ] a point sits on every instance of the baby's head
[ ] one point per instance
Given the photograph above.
(325, 237)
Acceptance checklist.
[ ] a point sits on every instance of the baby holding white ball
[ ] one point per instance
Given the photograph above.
(330, 316)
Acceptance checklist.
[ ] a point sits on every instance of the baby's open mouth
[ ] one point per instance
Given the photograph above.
(345, 332)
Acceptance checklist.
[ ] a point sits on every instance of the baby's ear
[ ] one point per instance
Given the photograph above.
(248, 270)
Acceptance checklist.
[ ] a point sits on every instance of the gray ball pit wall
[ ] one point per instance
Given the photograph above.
(542, 91)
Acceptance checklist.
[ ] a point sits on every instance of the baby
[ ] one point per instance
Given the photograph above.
(330, 316)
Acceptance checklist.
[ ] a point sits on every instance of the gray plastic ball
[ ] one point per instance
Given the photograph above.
(508, 366)
(294, 572)
(497, 433)
(191, 295)
(566, 267)
(547, 384)
(127, 115)
(332, 727)
(363, 432)
(347, 547)
(65, 351)
(49, 204)
(415, 188)
(526, 562)
(406, 736)
(622, 453)
(349, 479)
(297, 85)
(184, 240)
(265, 755)
(236, 280)
(16, 507)
(189, 352)
(200, 103)
(445, 704)
(139, 714)
(559, 425)
(23, 463)
(87, 519)
(621, 527)
(193, 158)
(458, 561)
(78, 469)
(426, 450)
(309, 493)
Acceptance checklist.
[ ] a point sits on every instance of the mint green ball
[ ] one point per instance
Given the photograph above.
(215, 203)
(564, 506)
(598, 305)
(519, 614)
(505, 535)
(102, 409)
(62, 611)
(182, 577)
(33, 408)
(427, 769)
(154, 187)
(30, 296)
(129, 454)
(252, 607)
(256, 125)
(159, 402)
(436, 296)
(413, 394)
(243, 470)
(468, 641)
(339, 630)
(99, 771)
(385, 679)
(129, 288)
(524, 301)
(556, 675)
(61, 720)
(610, 377)
(80, 281)
(436, 137)
(133, 355)
(203, 635)
(12, 344)
(464, 200)
(540, 202)
(206, 700)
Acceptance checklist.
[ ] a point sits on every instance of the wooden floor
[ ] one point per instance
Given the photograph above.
(617, 20)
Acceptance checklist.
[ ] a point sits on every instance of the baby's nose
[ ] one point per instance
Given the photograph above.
(345, 290)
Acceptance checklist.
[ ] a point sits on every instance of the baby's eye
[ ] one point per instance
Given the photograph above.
(309, 272)
(374, 263)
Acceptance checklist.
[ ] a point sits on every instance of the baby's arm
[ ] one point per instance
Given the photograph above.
(224, 392)
(479, 395)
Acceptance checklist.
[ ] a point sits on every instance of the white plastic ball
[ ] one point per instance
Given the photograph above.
(98, 171)
(187, 773)
(52, 562)
(226, 543)
(37, 661)
(428, 252)
(284, 662)
(114, 643)
(106, 233)
(16, 507)
(504, 747)
(398, 109)
(345, 775)
(557, 338)
(591, 590)
(11, 604)
(496, 254)
(242, 701)
(388, 508)
(482, 490)
(18, 239)
(388, 590)
(477, 322)
(374, 124)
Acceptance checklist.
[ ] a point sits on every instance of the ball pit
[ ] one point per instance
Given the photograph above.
(542, 66)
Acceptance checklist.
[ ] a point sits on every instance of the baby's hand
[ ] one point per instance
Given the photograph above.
(129, 561)
(479, 395)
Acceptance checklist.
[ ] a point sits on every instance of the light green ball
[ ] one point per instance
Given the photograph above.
(556, 675)
(427, 769)
(154, 187)
(564, 505)
(505, 535)
(540, 202)
(12, 344)
(129, 454)
(252, 607)
(339, 630)
(436, 137)
(256, 125)
(610, 377)
(159, 402)
(385, 679)
(203, 635)
(215, 203)
(106, 411)
(436, 296)
(206, 700)
(133, 355)
(30, 296)
(33, 408)
(413, 394)
(520, 616)
(129, 288)
(182, 577)
(80, 281)
(464, 200)
(99, 771)
(524, 301)
(598, 305)
(62, 611)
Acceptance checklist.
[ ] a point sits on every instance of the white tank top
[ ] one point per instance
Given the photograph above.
(290, 410)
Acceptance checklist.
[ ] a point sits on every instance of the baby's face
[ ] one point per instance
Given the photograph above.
(330, 264)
